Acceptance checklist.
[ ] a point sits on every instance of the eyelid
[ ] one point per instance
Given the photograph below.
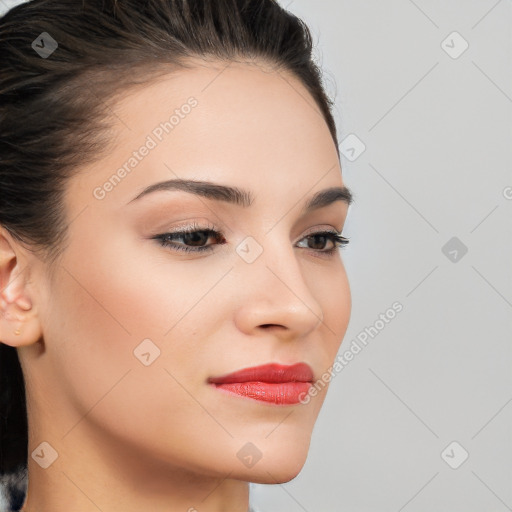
(197, 225)
(316, 229)
(194, 225)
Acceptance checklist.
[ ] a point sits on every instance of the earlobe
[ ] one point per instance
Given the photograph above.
(19, 323)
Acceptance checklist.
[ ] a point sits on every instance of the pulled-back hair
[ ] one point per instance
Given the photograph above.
(55, 118)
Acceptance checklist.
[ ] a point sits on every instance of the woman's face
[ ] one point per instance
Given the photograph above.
(133, 329)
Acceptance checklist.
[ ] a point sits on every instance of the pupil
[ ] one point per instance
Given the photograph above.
(322, 240)
(197, 236)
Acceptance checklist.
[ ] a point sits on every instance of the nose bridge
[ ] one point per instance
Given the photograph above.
(276, 291)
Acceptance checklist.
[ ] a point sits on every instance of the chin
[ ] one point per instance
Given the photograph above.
(278, 467)
(273, 474)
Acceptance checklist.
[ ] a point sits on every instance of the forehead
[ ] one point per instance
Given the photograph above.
(235, 100)
(241, 123)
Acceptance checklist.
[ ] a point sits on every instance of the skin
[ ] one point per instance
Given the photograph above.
(133, 437)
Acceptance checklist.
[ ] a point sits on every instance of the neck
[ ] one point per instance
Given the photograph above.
(89, 475)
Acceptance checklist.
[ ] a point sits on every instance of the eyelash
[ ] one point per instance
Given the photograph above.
(165, 239)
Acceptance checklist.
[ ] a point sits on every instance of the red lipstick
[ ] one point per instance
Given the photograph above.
(274, 383)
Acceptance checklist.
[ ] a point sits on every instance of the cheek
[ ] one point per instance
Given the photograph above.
(99, 315)
(116, 301)
(124, 289)
(334, 296)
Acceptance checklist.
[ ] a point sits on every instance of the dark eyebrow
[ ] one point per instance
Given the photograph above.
(202, 188)
(241, 197)
(328, 196)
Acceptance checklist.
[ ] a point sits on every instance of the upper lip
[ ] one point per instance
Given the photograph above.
(272, 372)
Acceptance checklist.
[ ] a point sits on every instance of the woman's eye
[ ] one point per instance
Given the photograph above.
(321, 238)
(195, 239)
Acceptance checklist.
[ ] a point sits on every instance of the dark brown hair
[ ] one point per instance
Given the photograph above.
(54, 109)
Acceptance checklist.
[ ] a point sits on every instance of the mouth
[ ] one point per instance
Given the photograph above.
(272, 383)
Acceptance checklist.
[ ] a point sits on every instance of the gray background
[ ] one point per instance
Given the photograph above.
(436, 165)
(438, 158)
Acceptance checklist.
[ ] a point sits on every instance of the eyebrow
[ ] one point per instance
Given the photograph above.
(243, 198)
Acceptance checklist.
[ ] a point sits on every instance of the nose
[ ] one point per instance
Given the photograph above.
(275, 296)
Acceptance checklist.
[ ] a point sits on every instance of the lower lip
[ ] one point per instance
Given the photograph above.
(279, 393)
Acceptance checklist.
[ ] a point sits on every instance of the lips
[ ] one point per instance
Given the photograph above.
(271, 383)
(271, 373)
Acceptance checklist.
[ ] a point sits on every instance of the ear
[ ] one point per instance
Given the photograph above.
(19, 322)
